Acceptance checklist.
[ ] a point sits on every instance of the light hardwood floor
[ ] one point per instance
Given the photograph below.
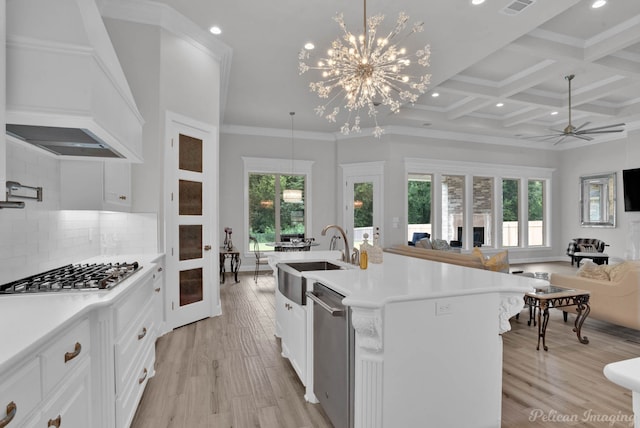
(227, 372)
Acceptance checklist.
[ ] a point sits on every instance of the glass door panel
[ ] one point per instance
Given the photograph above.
(362, 212)
(452, 207)
(191, 286)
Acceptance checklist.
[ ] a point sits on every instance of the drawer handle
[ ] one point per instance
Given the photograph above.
(123, 197)
(144, 376)
(68, 356)
(157, 290)
(160, 269)
(12, 409)
(55, 422)
(143, 334)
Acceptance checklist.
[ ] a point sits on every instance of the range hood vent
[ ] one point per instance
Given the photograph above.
(66, 91)
(63, 141)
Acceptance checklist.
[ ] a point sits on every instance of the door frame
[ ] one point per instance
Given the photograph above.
(363, 172)
(175, 124)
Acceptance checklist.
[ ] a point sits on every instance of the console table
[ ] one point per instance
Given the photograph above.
(234, 255)
(558, 297)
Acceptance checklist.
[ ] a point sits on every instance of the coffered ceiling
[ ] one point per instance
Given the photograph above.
(481, 56)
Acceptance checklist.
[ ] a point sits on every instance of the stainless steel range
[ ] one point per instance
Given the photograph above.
(79, 277)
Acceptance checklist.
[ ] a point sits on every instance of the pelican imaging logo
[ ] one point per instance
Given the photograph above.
(588, 416)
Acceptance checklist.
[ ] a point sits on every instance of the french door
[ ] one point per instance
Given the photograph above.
(192, 249)
(362, 201)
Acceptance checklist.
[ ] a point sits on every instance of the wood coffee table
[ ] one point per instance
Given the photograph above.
(553, 296)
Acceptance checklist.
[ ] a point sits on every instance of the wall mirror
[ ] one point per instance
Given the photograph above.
(598, 200)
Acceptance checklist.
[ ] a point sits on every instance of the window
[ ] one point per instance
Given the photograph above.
(271, 218)
(482, 211)
(535, 216)
(479, 204)
(510, 204)
(419, 204)
(268, 216)
(452, 206)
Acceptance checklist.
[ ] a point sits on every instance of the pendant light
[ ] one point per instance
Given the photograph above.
(293, 196)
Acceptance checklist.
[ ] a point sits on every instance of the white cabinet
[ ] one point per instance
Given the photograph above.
(158, 296)
(95, 185)
(291, 319)
(135, 334)
(53, 385)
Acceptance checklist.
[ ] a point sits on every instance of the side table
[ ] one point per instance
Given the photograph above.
(234, 255)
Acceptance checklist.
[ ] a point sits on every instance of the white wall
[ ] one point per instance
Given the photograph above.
(234, 146)
(612, 156)
(42, 237)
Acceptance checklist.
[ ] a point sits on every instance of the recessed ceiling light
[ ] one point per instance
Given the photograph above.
(553, 113)
(598, 3)
(435, 95)
(215, 30)
(499, 104)
(309, 46)
(476, 2)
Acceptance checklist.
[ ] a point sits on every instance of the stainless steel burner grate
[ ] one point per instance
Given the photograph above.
(79, 277)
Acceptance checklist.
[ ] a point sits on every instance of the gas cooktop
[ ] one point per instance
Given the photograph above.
(79, 277)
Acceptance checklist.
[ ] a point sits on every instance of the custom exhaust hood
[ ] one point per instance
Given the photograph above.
(66, 91)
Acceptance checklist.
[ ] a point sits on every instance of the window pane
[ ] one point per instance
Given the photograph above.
(510, 204)
(452, 206)
(482, 211)
(262, 200)
(536, 210)
(418, 204)
(362, 212)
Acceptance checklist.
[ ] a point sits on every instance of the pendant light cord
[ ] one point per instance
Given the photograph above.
(292, 113)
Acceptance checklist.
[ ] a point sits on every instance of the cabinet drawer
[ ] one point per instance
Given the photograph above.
(70, 407)
(23, 389)
(64, 353)
(132, 345)
(128, 308)
(127, 401)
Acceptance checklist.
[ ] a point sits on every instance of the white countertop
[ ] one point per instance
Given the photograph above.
(401, 278)
(28, 320)
(625, 373)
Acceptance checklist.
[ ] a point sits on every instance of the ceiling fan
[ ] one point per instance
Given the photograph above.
(580, 132)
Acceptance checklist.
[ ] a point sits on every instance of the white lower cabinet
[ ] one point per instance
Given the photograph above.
(71, 404)
(292, 321)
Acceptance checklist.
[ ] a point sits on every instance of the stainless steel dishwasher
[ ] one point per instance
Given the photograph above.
(333, 355)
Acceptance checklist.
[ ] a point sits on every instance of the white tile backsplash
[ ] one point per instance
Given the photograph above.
(42, 237)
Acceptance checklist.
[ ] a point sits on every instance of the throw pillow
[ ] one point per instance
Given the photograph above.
(590, 270)
(440, 244)
(617, 271)
(424, 243)
(497, 263)
(587, 248)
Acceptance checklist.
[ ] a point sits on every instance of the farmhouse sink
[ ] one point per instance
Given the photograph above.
(292, 284)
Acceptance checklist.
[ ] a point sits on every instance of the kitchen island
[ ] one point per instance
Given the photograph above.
(428, 350)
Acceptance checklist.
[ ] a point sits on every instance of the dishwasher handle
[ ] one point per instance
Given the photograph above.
(335, 312)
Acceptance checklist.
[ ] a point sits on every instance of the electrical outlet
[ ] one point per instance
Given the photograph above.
(444, 307)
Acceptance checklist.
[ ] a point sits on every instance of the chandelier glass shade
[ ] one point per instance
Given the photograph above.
(368, 71)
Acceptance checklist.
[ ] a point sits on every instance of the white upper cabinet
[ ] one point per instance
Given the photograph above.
(95, 185)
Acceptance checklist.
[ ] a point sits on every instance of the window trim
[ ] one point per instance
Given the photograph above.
(253, 165)
(437, 168)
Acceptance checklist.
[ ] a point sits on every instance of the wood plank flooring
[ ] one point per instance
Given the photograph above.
(227, 372)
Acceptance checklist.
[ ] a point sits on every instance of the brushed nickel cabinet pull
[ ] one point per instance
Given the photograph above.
(12, 409)
(55, 422)
(144, 376)
(143, 334)
(157, 290)
(68, 356)
(123, 197)
(160, 269)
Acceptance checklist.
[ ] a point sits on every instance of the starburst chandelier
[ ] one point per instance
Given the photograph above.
(368, 71)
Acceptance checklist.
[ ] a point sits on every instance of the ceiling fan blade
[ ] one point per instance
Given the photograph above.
(581, 126)
(610, 131)
(560, 140)
(544, 137)
(603, 127)
(582, 137)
